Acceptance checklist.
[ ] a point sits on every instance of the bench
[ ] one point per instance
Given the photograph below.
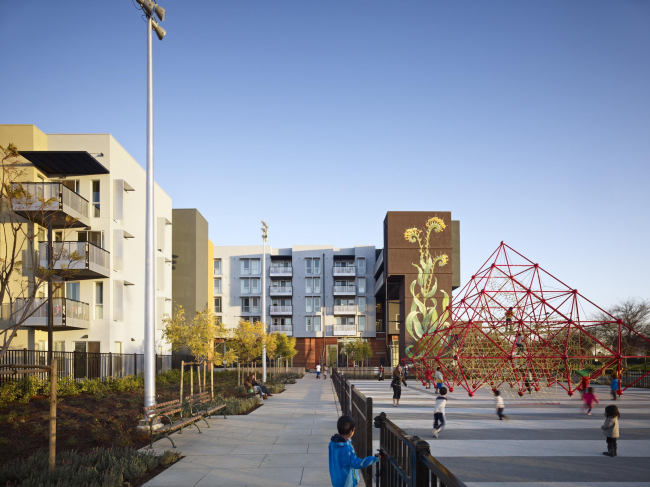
(169, 410)
(203, 404)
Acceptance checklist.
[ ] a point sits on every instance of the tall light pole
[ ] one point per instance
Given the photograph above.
(149, 7)
(265, 236)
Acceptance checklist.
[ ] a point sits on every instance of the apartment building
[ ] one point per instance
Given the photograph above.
(91, 177)
(326, 296)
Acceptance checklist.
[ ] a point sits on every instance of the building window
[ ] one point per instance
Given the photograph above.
(312, 304)
(217, 286)
(312, 266)
(72, 291)
(245, 267)
(256, 285)
(99, 300)
(95, 203)
(362, 304)
(361, 265)
(281, 284)
(316, 284)
(250, 305)
(312, 323)
(281, 302)
(362, 284)
(245, 286)
(343, 302)
(362, 323)
(344, 320)
(217, 267)
(217, 305)
(255, 266)
(282, 321)
(312, 285)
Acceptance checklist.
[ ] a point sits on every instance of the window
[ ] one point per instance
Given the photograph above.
(362, 323)
(362, 304)
(217, 286)
(72, 291)
(361, 265)
(281, 302)
(99, 300)
(95, 202)
(308, 284)
(217, 267)
(362, 284)
(256, 285)
(312, 285)
(343, 302)
(281, 284)
(217, 305)
(344, 320)
(255, 266)
(245, 286)
(245, 266)
(312, 304)
(250, 305)
(316, 284)
(312, 266)
(282, 321)
(312, 323)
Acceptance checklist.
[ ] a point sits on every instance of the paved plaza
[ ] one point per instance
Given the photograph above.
(541, 446)
(283, 443)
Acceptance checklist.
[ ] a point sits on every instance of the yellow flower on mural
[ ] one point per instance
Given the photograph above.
(436, 223)
(412, 234)
(444, 259)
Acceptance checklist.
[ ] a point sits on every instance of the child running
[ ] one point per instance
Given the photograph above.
(500, 405)
(610, 429)
(428, 378)
(589, 399)
(439, 420)
(614, 387)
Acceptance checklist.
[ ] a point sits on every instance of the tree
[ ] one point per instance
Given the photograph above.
(286, 347)
(197, 335)
(357, 350)
(635, 313)
(25, 210)
(248, 341)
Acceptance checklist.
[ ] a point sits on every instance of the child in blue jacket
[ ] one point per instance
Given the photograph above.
(344, 464)
(614, 387)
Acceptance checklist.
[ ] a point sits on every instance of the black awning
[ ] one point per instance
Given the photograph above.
(65, 163)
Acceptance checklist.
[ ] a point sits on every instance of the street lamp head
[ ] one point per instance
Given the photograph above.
(150, 6)
(160, 32)
(160, 12)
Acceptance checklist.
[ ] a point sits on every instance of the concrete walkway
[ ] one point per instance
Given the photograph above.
(283, 443)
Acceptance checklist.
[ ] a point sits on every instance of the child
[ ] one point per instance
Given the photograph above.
(344, 464)
(439, 420)
(610, 429)
(396, 384)
(428, 378)
(509, 315)
(498, 400)
(614, 386)
(439, 379)
(318, 371)
(590, 398)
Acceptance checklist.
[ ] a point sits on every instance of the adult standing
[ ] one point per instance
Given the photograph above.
(396, 384)
(381, 372)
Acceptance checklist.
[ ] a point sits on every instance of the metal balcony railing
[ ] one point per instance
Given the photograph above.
(288, 329)
(67, 312)
(281, 271)
(345, 271)
(345, 290)
(41, 197)
(281, 310)
(345, 309)
(344, 330)
(78, 256)
(281, 290)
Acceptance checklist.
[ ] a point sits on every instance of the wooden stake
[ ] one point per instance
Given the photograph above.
(212, 380)
(182, 370)
(53, 374)
(191, 380)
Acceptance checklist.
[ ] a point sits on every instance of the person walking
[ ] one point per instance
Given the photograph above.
(589, 399)
(381, 372)
(428, 378)
(439, 419)
(324, 371)
(614, 387)
(396, 384)
(318, 371)
(610, 429)
(500, 405)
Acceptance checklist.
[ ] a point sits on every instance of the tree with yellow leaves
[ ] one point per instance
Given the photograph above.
(197, 335)
(286, 347)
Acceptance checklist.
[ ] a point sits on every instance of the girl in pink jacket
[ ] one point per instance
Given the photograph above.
(589, 399)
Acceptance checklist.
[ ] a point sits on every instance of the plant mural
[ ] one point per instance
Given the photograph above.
(423, 317)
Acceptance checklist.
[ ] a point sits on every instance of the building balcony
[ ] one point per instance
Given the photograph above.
(68, 314)
(378, 284)
(281, 271)
(280, 310)
(345, 271)
(344, 330)
(281, 290)
(378, 263)
(347, 309)
(51, 202)
(345, 290)
(82, 260)
(287, 329)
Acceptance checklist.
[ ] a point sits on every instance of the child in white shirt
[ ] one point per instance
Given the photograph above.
(500, 405)
(439, 420)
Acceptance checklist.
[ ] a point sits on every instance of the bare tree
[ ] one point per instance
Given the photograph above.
(635, 313)
(26, 209)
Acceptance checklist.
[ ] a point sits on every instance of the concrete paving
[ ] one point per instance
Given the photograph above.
(540, 446)
(283, 443)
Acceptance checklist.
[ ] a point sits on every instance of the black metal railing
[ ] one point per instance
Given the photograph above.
(362, 414)
(88, 365)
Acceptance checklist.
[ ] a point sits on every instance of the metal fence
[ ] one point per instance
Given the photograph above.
(87, 365)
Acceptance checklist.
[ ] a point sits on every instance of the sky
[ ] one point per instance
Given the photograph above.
(529, 121)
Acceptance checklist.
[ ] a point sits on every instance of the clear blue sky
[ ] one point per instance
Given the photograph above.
(529, 120)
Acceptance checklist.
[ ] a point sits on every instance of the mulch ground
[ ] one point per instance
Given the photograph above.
(83, 421)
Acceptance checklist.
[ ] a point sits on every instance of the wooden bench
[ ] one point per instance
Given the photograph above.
(204, 405)
(170, 410)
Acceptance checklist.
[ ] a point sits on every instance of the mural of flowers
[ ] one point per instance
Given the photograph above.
(424, 317)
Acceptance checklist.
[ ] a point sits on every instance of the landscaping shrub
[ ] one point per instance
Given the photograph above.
(98, 467)
(275, 388)
(238, 405)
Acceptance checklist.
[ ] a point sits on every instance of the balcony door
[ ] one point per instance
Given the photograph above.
(95, 238)
(72, 291)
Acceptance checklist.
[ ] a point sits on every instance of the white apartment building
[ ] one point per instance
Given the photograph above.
(313, 292)
(94, 179)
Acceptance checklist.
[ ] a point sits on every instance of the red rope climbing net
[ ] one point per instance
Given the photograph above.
(514, 324)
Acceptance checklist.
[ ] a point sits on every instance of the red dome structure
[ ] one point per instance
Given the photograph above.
(514, 324)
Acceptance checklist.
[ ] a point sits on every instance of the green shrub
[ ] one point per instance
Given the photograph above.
(98, 467)
(238, 405)
(275, 388)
